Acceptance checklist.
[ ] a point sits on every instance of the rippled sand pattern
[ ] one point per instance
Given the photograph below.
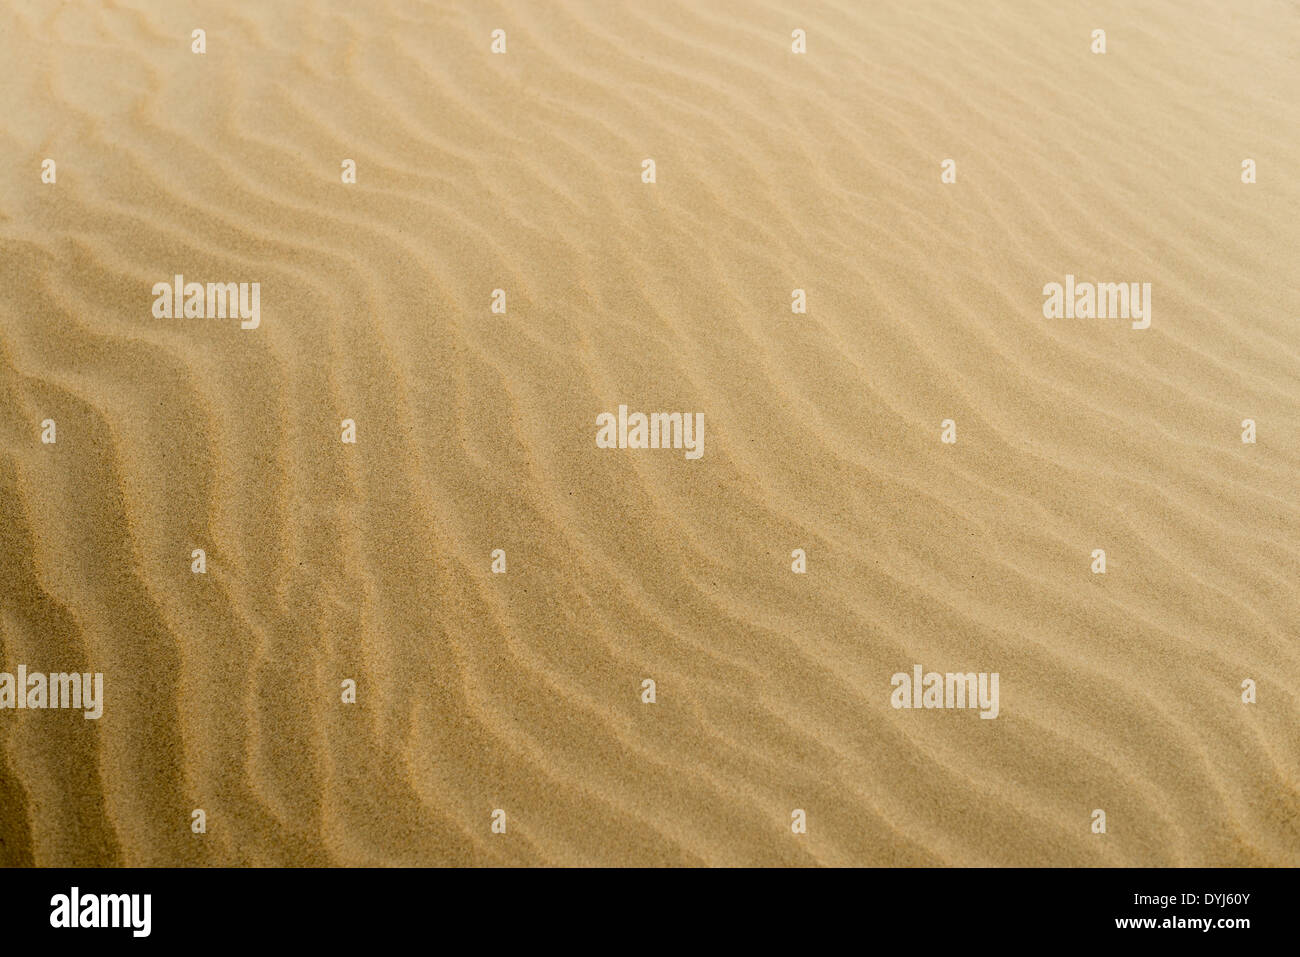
(476, 431)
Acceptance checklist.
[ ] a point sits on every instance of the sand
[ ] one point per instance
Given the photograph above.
(522, 691)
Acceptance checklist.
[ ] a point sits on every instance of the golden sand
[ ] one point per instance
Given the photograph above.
(775, 171)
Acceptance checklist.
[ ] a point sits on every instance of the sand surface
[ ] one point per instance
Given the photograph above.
(475, 431)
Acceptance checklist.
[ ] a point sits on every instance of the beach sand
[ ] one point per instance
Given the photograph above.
(522, 691)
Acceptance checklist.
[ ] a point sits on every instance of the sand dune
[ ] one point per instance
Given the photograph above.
(522, 691)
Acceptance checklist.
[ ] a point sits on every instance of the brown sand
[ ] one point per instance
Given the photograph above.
(476, 431)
